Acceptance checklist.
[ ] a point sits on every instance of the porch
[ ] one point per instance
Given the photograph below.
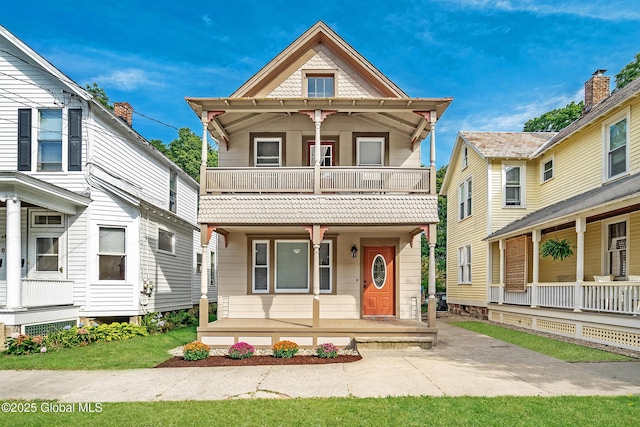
(344, 333)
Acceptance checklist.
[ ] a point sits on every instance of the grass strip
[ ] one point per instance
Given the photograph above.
(559, 349)
(393, 411)
(140, 352)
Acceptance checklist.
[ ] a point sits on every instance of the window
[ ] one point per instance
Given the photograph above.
(49, 140)
(47, 254)
(327, 153)
(617, 147)
(46, 220)
(513, 188)
(292, 266)
(464, 196)
(371, 151)
(326, 262)
(260, 266)
(198, 263)
(320, 85)
(465, 158)
(547, 170)
(464, 264)
(173, 191)
(268, 152)
(111, 253)
(617, 249)
(166, 241)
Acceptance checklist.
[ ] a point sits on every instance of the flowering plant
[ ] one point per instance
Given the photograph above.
(285, 349)
(20, 344)
(195, 351)
(241, 350)
(327, 351)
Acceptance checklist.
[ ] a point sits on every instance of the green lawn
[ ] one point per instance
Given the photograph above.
(554, 348)
(140, 352)
(397, 411)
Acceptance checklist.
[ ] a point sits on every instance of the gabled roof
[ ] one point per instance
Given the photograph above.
(318, 33)
(506, 144)
(629, 91)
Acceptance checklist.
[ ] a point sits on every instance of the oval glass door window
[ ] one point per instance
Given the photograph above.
(379, 271)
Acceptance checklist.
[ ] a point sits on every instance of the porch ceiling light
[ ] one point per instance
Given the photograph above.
(354, 251)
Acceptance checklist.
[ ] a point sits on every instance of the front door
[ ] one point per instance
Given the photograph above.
(379, 281)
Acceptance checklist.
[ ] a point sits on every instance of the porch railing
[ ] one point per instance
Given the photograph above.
(607, 297)
(42, 293)
(332, 180)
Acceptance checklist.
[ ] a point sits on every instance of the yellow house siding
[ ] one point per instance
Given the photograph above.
(470, 230)
(593, 250)
(634, 130)
(634, 243)
(502, 216)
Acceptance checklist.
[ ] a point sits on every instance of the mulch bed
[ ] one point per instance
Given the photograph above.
(213, 361)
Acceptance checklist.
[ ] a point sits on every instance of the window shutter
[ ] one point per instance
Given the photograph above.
(516, 256)
(24, 140)
(75, 140)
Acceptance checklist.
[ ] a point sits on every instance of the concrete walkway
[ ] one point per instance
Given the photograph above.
(463, 363)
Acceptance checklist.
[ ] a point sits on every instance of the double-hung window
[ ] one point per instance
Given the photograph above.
(513, 179)
(547, 170)
(616, 249)
(616, 139)
(464, 197)
(326, 262)
(465, 156)
(112, 253)
(371, 151)
(166, 241)
(173, 191)
(464, 264)
(268, 152)
(260, 261)
(50, 140)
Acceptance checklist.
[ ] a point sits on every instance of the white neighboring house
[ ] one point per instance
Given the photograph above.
(94, 221)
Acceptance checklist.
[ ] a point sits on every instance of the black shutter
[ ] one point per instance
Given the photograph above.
(75, 140)
(24, 140)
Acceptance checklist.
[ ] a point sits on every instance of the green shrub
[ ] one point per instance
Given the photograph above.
(285, 349)
(74, 336)
(24, 344)
(195, 351)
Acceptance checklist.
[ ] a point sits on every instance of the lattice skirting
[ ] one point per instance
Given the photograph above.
(556, 327)
(517, 320)
(612, 336)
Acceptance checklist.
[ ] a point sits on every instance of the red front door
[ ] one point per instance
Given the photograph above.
(379, 281)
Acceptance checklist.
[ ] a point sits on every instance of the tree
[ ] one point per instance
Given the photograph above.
(629, 73)
(186, 152)
(159, 145)
(99, 94)
(441, 240)
(555, 120)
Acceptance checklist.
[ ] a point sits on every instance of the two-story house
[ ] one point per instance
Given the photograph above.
(520, 192)
(94, 221)
(319, 200)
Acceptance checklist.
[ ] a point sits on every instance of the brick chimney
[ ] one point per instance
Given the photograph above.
(125, 111)
(596, 89)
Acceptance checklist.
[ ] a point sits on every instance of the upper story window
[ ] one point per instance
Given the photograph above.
(50, 142)
(370, 151)
(166, 241)
(616, 141)
(173, 191)
(464, 198)
(513, 185)
(546, 172)
(465, 156)
(268, 152)
(327, 153)
(320, 84)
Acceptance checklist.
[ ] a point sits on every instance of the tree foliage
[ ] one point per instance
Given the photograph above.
(628, 73)
(185, 151)
(555, 120)
(441, 240)
(99, 94)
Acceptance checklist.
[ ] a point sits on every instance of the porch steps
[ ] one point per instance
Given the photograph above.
(394, 342)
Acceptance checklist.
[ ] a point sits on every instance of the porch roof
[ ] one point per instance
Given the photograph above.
(619, 190)
(335, 209)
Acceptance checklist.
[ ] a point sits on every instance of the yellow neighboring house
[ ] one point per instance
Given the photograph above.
(519, 193)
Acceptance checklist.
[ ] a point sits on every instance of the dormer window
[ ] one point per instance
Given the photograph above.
(319, 84)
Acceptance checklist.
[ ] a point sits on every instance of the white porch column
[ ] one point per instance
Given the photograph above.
(431, 303)
(501, 288)
(204, 277)
(432, 152)
(535, 237)
(581, 227)
(317, 120)
(204, 154)
(14, 253)
(317, 232)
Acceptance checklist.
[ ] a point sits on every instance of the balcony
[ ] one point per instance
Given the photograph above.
(332, 180)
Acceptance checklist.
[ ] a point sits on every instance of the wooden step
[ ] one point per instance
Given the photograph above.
(394, 342)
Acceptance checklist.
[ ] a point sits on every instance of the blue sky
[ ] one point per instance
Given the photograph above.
(503, 61)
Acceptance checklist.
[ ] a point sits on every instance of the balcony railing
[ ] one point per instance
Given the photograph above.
(606, 297)
(332, 180)
(42, 293)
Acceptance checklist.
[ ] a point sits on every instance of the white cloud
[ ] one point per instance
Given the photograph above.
(126, 80)
(207, 20)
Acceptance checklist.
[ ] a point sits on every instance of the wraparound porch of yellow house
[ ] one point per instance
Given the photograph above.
(263, 333)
